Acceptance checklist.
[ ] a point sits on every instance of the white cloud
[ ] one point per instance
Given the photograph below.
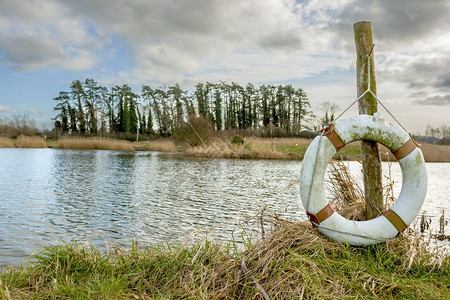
(7, 109)
(34, 111)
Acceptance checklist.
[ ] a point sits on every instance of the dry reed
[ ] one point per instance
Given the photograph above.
(159, 145)
(30, 142)
(347, 196)
(6, 142)
(253, 148)
(292, 148)
(95, 144)
(435, 153)
(296, 259)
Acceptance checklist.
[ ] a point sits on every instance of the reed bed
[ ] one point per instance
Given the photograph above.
(95, 144)
(253, 148)
(30, 142)
(6, 142)
(159, 145)
(292, 148)
(436, 153)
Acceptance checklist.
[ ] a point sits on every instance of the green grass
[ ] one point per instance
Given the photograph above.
(294, 261)
(297, 151)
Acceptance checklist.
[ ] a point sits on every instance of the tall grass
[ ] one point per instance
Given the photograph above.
(253, 148)
(95, 144)
(159, 145)
(346, 195)
(6, 142)
(30, 142)
(435, 153)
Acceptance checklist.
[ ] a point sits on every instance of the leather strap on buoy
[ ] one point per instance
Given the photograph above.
(321, 215)
(406, 149)
(395, 220)
(332, 135)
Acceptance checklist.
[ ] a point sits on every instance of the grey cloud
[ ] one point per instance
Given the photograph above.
(397, 22)
(435, 100)
(189, 30)
(196, 27)
(427, 79)
(444, 82)
(285, 40)
(421, 71)
(29, 51)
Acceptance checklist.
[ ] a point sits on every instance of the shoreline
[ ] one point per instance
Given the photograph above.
(279, 149)
(250, 148)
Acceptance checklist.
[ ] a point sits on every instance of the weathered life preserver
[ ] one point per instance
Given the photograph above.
(392, 222)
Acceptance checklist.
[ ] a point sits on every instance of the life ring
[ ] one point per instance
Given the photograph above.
(385, 227)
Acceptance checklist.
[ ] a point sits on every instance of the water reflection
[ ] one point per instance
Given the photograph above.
(49, 195)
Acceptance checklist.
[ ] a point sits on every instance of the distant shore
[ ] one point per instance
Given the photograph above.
(248, 148)
(279, 148)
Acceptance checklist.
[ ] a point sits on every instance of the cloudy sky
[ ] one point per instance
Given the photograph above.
(45, 44)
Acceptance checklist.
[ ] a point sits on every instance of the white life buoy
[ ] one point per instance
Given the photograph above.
(385, 227)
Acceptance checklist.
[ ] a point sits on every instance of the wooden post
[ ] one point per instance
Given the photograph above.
(365, 75)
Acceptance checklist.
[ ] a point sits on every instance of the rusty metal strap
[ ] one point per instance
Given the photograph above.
(406, 149)
(332, 135)
(395, 220)
(321, 215)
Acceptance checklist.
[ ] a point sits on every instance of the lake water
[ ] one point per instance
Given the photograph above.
(50, 195)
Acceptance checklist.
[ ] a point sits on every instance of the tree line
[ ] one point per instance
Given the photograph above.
(442, 133)
(91, 108)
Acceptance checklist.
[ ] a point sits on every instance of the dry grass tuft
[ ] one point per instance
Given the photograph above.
(95, 144)
(6, 142)
(159, 145)
(296, 259)
(30, 142)
(347, 196)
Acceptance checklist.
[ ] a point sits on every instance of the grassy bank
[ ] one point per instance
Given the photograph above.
(290, 148)
(293, 262)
